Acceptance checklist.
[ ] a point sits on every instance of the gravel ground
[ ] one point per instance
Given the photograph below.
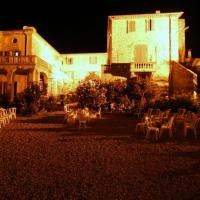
(41, 157)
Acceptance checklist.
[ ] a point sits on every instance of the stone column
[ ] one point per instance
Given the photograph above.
(52, 87)
(31, 76)
(37, 75)
(10, 81)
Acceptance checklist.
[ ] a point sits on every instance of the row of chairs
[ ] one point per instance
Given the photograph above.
(148, 126)
(157, 122)
(6, 115)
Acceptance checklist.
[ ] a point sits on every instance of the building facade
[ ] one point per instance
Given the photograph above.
(145, 44)
(137, 45)
(26, 58)
(78, 66)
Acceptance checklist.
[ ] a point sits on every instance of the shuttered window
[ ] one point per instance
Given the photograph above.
(131, 26)
(149, 25)
(69, 61)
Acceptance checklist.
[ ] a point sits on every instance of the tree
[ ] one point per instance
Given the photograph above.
(138, 89)
(90, 92)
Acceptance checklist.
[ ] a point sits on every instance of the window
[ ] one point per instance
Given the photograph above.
(130, 26)
(1, 53)
(7, 53)
(93, 60)
(69, 61)
(149, 25)
(16, 53)
(14, 40)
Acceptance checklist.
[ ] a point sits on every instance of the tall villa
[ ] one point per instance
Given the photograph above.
(145, 44)
(142, 45)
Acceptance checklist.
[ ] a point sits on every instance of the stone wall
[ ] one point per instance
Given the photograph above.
(182, 79)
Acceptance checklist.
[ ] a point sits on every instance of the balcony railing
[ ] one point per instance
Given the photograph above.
(143, 67)
(12, 60)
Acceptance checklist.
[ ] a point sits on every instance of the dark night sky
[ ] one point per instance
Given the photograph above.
(73, 27)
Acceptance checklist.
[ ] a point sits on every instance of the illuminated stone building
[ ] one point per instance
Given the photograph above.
(145, 44)
(141, 45)
(25, 58)
(78, 66)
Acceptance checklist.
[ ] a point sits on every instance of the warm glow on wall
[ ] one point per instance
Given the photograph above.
(80, 65)
(150, 42)
(58, 75)
(45, 51)
(137, 45)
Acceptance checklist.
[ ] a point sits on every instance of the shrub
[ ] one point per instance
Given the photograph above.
(4, 101)
(91, 93)
(51, 104)
(31, 96)
(176, 103)
(30, 109)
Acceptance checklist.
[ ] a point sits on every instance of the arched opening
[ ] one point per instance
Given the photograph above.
(3, 82)
(20, 81)
(43, 83)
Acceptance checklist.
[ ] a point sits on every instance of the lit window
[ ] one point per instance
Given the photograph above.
(130, 26)
(149, 25)
(16, 53)
(69, 61)
(93, 60)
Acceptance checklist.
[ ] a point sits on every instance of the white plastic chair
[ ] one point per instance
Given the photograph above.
(82, 117)
(152, 129)
(82, 120)
(98, 113)
(141, 126)
(167, 127)
(192, 126)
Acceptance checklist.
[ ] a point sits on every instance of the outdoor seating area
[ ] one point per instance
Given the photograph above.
(44, 153)
(159, 123)
(151, 124)
(103, 139)
(80, 116)
(6, 115)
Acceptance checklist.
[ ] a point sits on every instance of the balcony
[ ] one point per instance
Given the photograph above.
(117, 69)
(142, 67)
(17, 60)
(125, 69)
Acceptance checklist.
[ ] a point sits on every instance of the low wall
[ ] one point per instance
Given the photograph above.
(182, 79)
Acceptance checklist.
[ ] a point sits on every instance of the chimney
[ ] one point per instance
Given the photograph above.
(157, 11)
(29, 28)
